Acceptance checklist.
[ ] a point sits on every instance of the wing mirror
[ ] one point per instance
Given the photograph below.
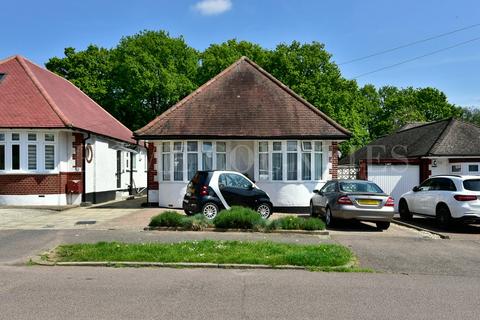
(318, 192)
(416, 189)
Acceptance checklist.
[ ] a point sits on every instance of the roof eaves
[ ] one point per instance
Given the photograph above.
(43, 92)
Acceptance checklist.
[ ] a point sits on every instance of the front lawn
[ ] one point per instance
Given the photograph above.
(209, 251)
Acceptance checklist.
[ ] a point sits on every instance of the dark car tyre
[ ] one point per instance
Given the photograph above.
(210, 210)
(188, 212)
(444, 218)
(383, 225)
(264, 209)
(405, 213)
(313, 212)
(329, 220)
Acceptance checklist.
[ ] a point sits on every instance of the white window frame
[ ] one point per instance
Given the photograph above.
(299, 152)
(24, 142)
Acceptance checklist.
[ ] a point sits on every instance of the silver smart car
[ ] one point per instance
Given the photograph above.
(353, 199)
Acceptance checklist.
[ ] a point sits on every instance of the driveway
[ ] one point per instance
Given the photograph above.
(459, 231)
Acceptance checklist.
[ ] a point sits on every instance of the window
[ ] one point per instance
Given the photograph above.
(457, 168)
(221, 155)
(426, 185)
(166, 161)
(292, 156)
(178, 161)
(49, 157)
(306, 146)
(306, 166)
(15, 136)
(134, 162)
(443, 184)
(472, 185)
(32, 137)
(234, 181)
(192, 158)
(263, 160)
(49, 137)
(329, 187)
(473, 168)
(359, 187)
(277, 161)
(2, 136)
(15, 157)
(2, 157)
(318, 161)
(207, 156)
(32, 157)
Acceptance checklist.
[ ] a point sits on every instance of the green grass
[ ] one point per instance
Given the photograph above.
(209, 251)
(296, 223)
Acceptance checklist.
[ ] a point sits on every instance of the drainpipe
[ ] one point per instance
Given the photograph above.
(84, 168)
(130, 187)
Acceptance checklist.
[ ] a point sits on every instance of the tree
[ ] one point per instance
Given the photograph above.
(90, 70)
(151, 72)
(217, 57)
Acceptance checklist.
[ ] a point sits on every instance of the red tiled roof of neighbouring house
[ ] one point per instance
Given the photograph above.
(243, 101)
(33, 97)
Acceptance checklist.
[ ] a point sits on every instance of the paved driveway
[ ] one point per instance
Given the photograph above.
(459, 232)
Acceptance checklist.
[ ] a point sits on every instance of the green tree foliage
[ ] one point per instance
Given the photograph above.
(148, 72)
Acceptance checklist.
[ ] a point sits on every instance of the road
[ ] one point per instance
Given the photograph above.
(125, 293)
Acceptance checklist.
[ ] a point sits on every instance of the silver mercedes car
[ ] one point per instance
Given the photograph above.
(353, 199)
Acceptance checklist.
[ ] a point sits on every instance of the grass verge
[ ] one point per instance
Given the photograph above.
(209, 251)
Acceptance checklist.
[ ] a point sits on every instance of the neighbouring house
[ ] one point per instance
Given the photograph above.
(247, 121)
(57, 146)
(400, 161)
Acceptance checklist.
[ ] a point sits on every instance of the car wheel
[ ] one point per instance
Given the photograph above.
(329, 220)
(313, 212)
(265, 210)
(210, 210)
(443, 216)
(383, 225)
(405, 213)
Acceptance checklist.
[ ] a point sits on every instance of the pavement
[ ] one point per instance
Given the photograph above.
(149, 293)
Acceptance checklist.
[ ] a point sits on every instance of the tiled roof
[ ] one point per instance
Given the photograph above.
(243, 101)
(450, 137)
(33, 97)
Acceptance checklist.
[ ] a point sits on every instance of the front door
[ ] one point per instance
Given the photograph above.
(119, 169)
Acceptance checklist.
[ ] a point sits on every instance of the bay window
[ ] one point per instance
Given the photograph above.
(15, 157)
(178, 161)
(277, 161)
(207, 155)
(166, 161)
(192, 159)
(318, 160)
(221, 155)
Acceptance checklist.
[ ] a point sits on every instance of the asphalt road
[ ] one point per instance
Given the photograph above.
(124, 293)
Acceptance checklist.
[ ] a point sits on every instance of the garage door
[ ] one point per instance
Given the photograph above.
(394, 179)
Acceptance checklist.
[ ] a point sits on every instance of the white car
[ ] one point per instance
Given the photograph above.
(449, 198)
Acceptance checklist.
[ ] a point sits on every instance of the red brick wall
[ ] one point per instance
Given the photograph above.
(334, 159)
(77, 145)
(33, 184)
(152, 166)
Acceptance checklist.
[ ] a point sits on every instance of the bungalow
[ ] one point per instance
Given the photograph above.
(244, 120)
(57, 146)
(400, 161)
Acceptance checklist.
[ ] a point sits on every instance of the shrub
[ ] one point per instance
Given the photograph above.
(167, 219)
(313, 224)
(238, 218)
(296, 223)
(196, 223)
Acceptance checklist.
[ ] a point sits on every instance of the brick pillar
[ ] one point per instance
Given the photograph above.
(334, 159)
(152, 167)
(363, 172)
(425, 171)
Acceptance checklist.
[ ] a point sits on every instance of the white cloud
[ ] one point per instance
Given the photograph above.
(213, 7)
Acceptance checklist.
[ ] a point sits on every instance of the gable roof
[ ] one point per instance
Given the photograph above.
(33, 97)
(450, 137)
(243, 101)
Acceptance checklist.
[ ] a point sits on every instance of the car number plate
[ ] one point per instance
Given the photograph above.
(369, 202)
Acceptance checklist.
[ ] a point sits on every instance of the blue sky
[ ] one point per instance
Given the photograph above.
(349, 29)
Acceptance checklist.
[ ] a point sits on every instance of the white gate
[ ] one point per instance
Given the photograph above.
(394, 179)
